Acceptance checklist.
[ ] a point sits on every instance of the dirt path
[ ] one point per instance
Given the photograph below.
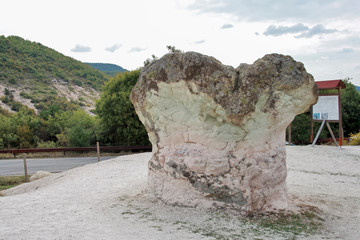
(107, 200)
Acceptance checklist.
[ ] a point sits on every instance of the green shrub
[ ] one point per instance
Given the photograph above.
(5, 99)
(12, 81)
(77, 82)
(25, 95)
(15, 106)
(355, 139)
(49, 144)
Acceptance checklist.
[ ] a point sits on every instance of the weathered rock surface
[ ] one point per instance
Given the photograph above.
(218, 133)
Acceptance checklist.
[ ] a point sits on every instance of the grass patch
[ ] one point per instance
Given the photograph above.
(273, 225)
(7, 182)
(307, 221)
(222, 224)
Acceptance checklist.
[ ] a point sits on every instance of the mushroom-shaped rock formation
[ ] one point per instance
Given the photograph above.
(218, 133)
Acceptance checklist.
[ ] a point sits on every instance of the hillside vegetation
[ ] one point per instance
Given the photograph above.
(46, 99)
(34, 75)
(23, 60)
(116, 122)
(45, 96)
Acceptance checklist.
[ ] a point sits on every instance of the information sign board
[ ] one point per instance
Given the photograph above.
(327, 108)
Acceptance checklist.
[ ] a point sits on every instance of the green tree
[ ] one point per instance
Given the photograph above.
(8, 131)
(118, 120)
(81, 129)
(300, 129)
(26, 123)
(50, 111)
(62, 140)
(350, 101)
(25, 136)
(79, 136)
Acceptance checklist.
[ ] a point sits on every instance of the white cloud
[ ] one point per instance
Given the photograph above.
(273, 30)
(81, 48)
(200, 41)
(281, 10)
(331, 63)
(137, 49)
(347, 50)
(148, 29)
(113, 48)
(316, 30)
(226, 26)
(305, 31)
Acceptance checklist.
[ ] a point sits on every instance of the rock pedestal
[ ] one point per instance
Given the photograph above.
(218, 133)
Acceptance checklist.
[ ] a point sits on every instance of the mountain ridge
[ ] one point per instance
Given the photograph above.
(108, 68)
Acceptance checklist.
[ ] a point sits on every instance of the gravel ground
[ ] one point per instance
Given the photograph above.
(108, 200)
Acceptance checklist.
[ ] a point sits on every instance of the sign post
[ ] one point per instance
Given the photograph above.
(328, 109)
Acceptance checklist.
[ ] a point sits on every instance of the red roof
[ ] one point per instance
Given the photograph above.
(331, 84)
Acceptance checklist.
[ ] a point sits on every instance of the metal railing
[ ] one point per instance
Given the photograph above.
(76, 149)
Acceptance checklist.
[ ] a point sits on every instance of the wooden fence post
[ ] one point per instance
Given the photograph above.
(289, 140)
(98, 151)
(25, 168)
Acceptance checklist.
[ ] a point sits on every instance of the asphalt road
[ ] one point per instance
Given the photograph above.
(16, 166)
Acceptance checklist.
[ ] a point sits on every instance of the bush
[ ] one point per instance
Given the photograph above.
(5, 99)
(15, 106)
(25, 95)
(49, 144)
(12, 81)
(63, 140)
(355, 139)
(77, 82)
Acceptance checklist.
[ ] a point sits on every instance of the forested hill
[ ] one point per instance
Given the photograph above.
(108, 68)
(22, 59)
(34, 75)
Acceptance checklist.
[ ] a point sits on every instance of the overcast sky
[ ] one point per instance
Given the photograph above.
(323, 34)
